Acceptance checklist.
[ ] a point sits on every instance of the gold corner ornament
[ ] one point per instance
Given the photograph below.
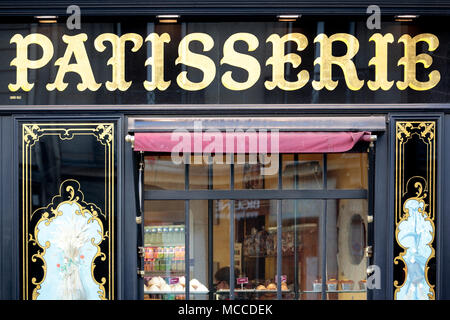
(415, 195)
(76, 51)
(40, 238)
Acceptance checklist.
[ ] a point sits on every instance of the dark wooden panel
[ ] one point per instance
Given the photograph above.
(253, 7)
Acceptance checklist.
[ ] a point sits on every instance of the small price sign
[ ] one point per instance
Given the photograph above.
(242, 280)
(283, 278)
(174, 280)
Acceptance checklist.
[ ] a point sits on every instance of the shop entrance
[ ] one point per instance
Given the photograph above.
(303, 232)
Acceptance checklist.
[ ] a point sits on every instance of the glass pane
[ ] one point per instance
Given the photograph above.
(255, 249)
(221, 248)
(198, 176)
(249, 175)
(301, 256)
(308, 169)
(346, 240)
(198, 249)
(200, 173)
(164, 241)
(347, 170)
(161, 173)
(221, 175)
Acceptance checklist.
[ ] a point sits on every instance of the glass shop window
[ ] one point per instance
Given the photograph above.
(315, 237)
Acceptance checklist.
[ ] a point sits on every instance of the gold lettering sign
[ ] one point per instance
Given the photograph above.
(410, 59)
(278, 61)
(380, 62)
(75, 47)
(117, 60)
(244, 61)
(21, 61)
(189, 58)
(157, 62)
(326, 60)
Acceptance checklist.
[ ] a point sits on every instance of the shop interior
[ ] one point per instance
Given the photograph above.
(306, 253)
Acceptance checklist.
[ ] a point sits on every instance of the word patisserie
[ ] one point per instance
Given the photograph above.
(76, 51)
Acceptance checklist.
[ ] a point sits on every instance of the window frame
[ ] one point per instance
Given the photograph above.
(279, 195)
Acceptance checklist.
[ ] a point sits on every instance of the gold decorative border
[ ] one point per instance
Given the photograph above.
(86, 208)
(404, 132)
(31, 133)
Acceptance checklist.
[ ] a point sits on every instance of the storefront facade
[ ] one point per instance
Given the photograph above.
(146, 156)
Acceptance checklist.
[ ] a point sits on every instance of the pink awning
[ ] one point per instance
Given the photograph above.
(248, 142)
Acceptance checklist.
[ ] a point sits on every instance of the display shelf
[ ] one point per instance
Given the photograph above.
(177, 244)
(164, 273)
(175, 292)
(226, 291)
(334, 291)
(268, 256)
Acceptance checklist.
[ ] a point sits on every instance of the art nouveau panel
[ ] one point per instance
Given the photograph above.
(68, 207)
(415, 210)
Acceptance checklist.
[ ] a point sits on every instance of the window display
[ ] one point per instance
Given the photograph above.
(280, 245)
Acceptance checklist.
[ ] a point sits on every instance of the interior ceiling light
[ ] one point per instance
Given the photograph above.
(288, 17)
(405, 17)
(168, 18)
(47, 19)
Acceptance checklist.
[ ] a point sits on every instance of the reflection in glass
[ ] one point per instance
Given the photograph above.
(164, 243)
(347, 170)
(221, 247)
(198, 249)
(301, 257)
(161, 173)
(346, 239)
(308, 169)
(248, 175)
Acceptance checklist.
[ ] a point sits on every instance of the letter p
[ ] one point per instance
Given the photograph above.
(21, 61)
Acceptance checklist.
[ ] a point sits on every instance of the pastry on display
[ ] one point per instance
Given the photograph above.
(261, 287)
(165, 287)
(154, 288)
(362, 284)
(194, 283)
(157, 284)
(177, 287)
(272, 286)
(332, 285)
(347, 284)
(201, 288)
(317, 285)
(284, 286)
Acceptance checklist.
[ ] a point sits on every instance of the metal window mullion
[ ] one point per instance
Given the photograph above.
(140, 227)
(186, 234)
(296, 294)
(371, 208)
(323, 249)
(279, 228)
(210, 232)
(255, 194)
(232, 280)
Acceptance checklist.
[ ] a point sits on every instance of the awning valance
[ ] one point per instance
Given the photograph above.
(248, 142)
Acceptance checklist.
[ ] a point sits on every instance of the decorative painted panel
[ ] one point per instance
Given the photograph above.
(68, 208)
(415, 210)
